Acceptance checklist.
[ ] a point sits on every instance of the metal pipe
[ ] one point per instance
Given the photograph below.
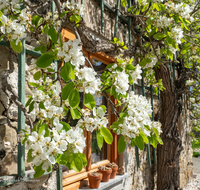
(21, 117)
(83, 3)
(129, 25)
(136, 148)
(154, 149)
(137, 157)
(148, 147)
(102, 17)
(116, 18)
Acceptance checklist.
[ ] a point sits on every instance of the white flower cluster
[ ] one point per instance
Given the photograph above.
(53, 18)
(44, 149)
(154, 60)
(72, 52)
(139, 112)
(13, 29)
(51, 107)
(87, 75)
(184, 10)
(189, 82)
(121, 82)
(136, 74)
(121, 78)
(177, 34)
(163, 21)
(73, 6)
(5, 5)
(96, 121)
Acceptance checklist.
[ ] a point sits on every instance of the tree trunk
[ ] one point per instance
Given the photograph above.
(168, 169)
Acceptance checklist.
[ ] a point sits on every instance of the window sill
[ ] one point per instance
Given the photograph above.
(110, 184)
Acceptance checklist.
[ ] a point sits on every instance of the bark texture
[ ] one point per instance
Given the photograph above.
(168, 169)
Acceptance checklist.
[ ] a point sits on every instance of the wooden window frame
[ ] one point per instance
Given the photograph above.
(71, 179)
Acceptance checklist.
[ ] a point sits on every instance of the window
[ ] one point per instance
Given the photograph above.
(95, 157)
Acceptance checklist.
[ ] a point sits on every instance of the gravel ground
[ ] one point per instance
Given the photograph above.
(194, 184)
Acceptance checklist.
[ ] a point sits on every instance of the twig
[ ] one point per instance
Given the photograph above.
(14, 97)
(135, 16)
(57, 2)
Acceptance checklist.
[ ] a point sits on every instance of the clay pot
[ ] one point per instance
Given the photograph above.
(114, 169)
(114, 172)
(106, 174)
(94, 179)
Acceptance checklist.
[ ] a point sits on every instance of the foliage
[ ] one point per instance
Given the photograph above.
(161, 30)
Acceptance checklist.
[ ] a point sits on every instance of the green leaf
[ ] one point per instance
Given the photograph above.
(37, 125)
(45, 29)
(31, 106)
(75, 113)
(99, 139)
(66, 90)
(83, 157)
(60, 40)
(66, 126)
(139, 142)
(106, 135)
(29, 156)
(130, 9)
(17, 48)
(157, 7)
(65, 72)
(74, 98)
(46, 128)
(144, 137)
(45, 59)
(34, 84)
(104, 108)
(89, 101)
(53, 34)
(38, 171)
(130, 67)
(29, 101)
(123, 3)
(37, 75)
(41, 129)
(160, 140)
(2, 36)
(170, 54)
(121, 144)
(43, 49)
(41, 105)
(63, 14)
(77, 163)
(158, 36)
(36, 20)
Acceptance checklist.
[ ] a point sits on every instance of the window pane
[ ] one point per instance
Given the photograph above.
(97, 154)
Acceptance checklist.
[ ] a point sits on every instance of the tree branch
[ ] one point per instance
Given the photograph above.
(14, 97)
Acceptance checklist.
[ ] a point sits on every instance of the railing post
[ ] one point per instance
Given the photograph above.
(154, 149)
(136, 148)
(148, 147)
(21, 98)
(116, 18)
(102, 17)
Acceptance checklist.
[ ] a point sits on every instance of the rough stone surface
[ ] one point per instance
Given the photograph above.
(46, 182)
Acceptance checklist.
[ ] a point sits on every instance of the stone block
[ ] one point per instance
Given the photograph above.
(2, 108)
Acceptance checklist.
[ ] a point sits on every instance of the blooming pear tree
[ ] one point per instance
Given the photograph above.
(162, 33)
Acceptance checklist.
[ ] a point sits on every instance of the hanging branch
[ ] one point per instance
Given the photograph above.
(14, 97)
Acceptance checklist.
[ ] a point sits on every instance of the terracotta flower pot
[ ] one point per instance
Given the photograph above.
(94, 179)
(114, 169)
(106, 174)
(114, 172)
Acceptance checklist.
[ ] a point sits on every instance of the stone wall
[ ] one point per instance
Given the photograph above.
(143, 178)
